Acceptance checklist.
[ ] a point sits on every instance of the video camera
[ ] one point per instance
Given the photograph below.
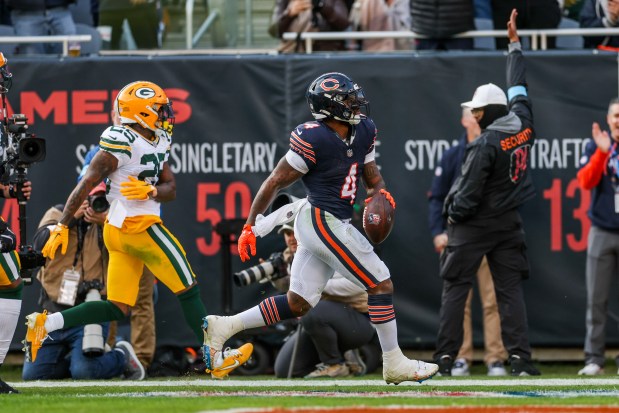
(272, 269)
(19, 149)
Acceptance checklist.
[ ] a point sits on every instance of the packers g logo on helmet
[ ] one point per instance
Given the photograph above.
(146, 104)
(145, 93)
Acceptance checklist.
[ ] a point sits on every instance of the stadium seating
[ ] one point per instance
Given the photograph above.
(8, 49)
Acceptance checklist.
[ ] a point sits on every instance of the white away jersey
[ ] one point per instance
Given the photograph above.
(137, 157)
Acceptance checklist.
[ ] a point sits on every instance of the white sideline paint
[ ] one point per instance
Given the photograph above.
(510, 382)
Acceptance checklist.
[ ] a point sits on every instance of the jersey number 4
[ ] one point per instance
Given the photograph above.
(349, 189)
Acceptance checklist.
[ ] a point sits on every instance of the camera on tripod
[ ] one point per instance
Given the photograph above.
(272, 269)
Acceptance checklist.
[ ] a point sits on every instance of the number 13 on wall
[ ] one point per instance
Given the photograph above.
(236, 201)
(555, 195)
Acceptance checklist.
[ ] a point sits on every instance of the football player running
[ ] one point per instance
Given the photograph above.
(330, 155)
(133, 158)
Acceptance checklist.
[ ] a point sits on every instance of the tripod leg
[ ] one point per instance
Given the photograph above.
(294, 351)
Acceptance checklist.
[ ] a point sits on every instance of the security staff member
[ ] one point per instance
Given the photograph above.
(483, 218)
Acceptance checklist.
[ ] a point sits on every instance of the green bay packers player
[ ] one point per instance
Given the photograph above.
(10, 282)
(133, 158)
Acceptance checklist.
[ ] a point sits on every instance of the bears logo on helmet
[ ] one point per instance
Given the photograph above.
(335, 96)
(146, 104)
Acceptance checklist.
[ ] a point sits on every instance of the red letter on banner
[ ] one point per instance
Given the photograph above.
(89, 107)
(56, 103)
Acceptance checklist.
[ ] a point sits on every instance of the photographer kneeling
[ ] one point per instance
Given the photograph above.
(333, 333)
(77, 276)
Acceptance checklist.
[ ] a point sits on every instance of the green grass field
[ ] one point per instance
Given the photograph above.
(559, 387)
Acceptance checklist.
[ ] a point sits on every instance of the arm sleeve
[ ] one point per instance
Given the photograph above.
(592, 168)
(517, 91)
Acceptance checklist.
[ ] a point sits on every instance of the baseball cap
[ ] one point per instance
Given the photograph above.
(285, 227)
(489, 94)
(99, 188)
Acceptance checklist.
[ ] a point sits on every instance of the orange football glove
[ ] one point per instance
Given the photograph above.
(58, 237)
(247, 238)
(137, 190)
(387, 195)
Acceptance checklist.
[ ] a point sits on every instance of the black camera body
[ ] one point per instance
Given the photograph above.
(20, 148)
(98, 203)
(29, 258)
(272, 269)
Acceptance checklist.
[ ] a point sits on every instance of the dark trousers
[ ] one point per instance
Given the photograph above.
(501, 240)
(329, 329)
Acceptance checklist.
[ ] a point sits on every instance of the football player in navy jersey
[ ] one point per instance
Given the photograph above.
(331, 156)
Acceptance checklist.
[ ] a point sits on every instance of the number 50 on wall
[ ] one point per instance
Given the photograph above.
(237, 199)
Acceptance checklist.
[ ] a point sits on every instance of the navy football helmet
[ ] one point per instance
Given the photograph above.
(335, 96)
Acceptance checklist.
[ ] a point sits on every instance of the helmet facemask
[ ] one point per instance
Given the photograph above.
(165, 118)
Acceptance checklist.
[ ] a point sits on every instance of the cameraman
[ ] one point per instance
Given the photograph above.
(10, 282)
(309, 16)
(86, 259)
(332, 333)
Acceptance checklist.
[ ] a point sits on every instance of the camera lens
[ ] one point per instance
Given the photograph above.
(99, 203)
(31, 150)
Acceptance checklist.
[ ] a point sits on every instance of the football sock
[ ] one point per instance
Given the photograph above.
(9, 315)
(193, 310)
(91, 312)
(275, 309)
(382, 316)
(270, 311)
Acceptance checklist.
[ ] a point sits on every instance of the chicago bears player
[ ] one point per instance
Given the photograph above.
(331, 155)
(133, 158)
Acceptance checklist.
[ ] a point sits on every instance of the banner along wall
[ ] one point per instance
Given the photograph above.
(233, 116)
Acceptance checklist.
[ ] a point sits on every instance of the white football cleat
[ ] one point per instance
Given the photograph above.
(397, 368)
(217, 330)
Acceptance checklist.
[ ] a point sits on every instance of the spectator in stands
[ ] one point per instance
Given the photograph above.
(143, 17)
(5, 14)
(382, 15)
(601, 14)
(483, 9)
(444, 177)
(301, 16)
(599, 169)
(572, 8)
(532, 14)
(41, 18)
(440, 21)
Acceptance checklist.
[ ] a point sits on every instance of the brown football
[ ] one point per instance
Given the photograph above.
(378, 218)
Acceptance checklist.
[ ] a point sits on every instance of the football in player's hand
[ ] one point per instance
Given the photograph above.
(378, 217)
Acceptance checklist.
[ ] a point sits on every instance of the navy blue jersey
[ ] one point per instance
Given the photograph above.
(332, 166)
